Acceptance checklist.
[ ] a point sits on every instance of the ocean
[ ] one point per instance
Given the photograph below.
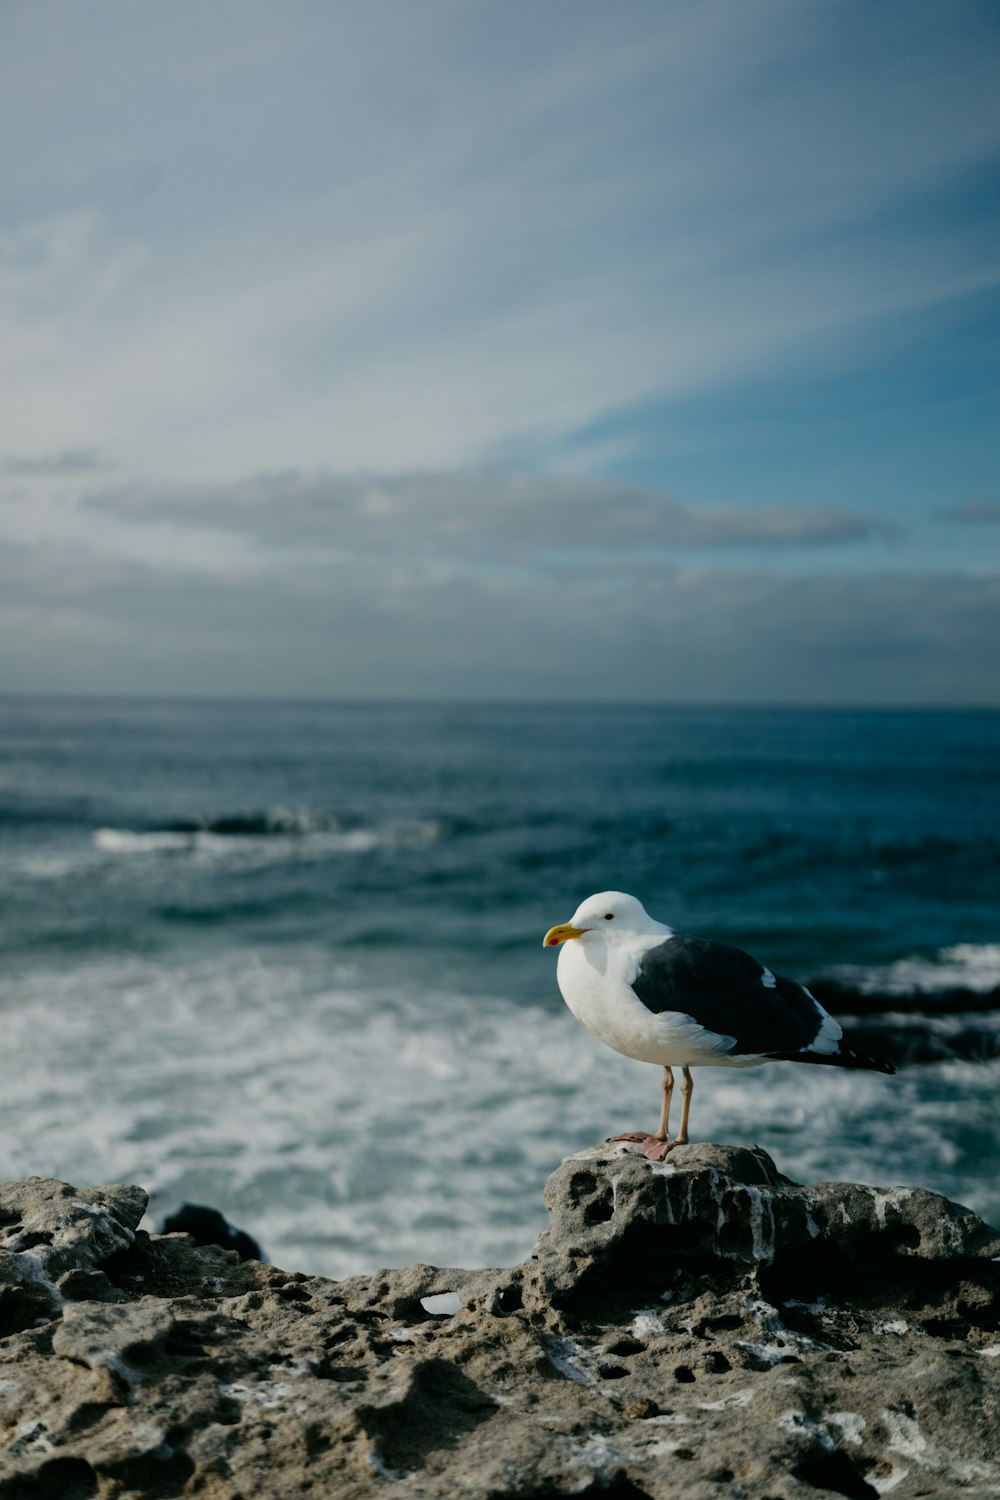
(285, 958)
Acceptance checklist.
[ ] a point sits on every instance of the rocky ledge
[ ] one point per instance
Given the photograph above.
(702, 1326)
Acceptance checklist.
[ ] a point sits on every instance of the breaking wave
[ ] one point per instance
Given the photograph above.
(281, 825)
(966, 966)
(281, 821)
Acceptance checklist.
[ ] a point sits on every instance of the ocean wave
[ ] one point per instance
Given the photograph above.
(259, 823)
(907, 1040)
(59, 812)
(126, 841)
(279, 1087)
(930, 850)
(965, 966)
(277, 829)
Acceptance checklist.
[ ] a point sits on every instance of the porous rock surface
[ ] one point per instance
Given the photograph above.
(700, 1327)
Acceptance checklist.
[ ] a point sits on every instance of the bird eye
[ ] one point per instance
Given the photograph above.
(609, 916)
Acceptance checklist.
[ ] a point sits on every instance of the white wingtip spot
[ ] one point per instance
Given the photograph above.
(827, 1038)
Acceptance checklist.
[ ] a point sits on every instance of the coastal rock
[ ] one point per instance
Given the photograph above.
(917, 1027)
(701, 1324)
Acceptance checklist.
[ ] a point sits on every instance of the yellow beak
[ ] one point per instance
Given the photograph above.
(557, 935)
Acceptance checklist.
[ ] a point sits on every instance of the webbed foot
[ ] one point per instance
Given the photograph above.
(653, 1147)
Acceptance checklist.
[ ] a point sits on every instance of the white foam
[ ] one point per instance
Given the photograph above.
(124, 841)
(968, 966)
(266, 847)
(350, 1124)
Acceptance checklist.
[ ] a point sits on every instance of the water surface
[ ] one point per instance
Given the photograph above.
(285, 958)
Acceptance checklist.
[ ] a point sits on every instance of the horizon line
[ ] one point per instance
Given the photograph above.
(401, 701)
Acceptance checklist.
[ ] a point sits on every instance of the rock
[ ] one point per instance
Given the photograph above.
(960, 1024)
(48, 1230)
(703, 1325)
(842, 998)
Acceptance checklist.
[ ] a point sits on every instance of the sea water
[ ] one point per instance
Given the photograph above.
(286, 959)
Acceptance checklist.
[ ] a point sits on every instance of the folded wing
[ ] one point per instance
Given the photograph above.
(732, 995)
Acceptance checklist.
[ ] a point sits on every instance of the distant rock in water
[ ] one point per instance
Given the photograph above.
(256, 823)
(916, 1027)
(166, 1214)
(229, 832)
(908, 1043)
(841, 998)
(702, 1326)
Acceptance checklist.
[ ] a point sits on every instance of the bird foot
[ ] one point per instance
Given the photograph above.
(653, 1147)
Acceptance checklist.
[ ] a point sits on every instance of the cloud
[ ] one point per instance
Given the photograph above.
(68, 461)
(76, 621)
(383, 266)
(406, 248)
(975, 511)
(472, 514)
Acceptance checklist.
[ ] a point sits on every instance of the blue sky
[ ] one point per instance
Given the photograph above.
(632, 350)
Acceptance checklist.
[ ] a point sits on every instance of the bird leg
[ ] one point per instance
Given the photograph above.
(687, 1089)
(663, 1129)
(656, 1146)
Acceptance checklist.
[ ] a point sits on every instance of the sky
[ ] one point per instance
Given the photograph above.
(479, 349)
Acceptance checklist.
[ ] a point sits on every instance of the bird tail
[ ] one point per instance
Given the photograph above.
(844, 1057)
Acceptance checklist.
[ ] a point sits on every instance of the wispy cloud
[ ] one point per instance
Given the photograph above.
(975, 511)
(489, 515)
(69, 461)
(540, 218)
(390, 330)
(72, 620)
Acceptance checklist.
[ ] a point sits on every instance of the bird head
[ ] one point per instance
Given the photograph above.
(610, 917)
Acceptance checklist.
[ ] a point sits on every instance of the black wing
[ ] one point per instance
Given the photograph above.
(724, 990)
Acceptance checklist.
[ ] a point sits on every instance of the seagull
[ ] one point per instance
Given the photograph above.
(682, 1001)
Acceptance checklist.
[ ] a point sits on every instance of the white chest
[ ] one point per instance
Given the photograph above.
(596, 985)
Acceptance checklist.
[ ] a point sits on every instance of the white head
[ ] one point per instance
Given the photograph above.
(611, 918)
